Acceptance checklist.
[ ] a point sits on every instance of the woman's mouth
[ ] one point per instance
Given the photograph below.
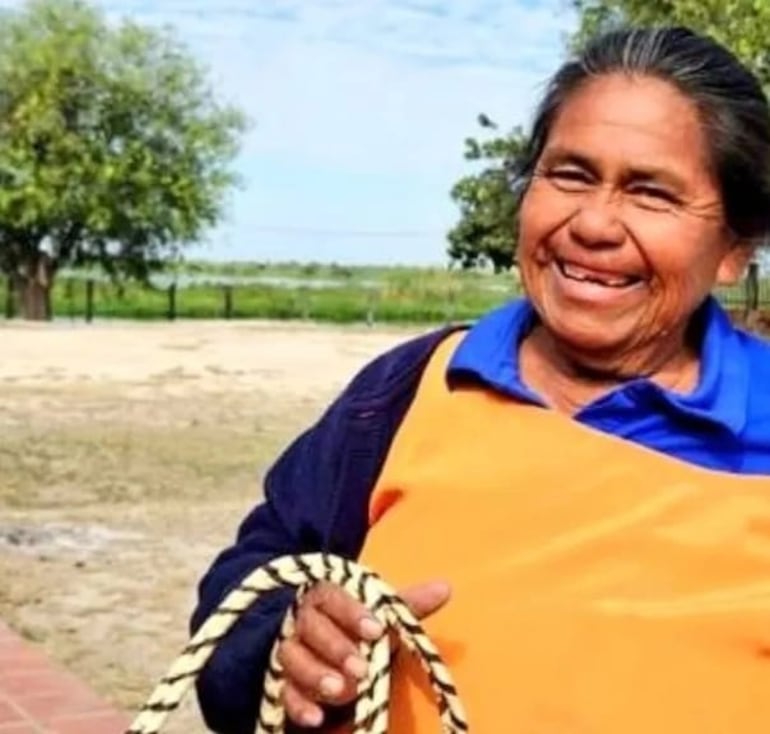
(582, 285)
(607, 279)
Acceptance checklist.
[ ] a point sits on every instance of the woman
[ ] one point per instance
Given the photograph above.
(588, 468)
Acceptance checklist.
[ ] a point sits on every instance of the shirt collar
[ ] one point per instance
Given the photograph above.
(722, 392)
(488, 353)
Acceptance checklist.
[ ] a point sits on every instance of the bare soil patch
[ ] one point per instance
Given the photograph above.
(129, 454)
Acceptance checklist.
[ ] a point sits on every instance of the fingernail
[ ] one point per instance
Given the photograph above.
(331, 685)
(355, 666)
(370, 628)
(312, 717)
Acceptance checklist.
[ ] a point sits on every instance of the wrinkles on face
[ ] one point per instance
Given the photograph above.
(624, 186)
(610, 195)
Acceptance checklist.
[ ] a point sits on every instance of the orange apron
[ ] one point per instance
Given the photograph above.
(598, 587)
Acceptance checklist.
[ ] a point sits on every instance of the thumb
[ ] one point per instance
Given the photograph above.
(425, 599)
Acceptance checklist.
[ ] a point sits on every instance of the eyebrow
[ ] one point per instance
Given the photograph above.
(637, 173)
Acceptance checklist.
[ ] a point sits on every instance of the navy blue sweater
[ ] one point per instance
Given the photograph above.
(316, 498)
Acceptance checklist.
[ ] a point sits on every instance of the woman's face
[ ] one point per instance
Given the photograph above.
(622, 231)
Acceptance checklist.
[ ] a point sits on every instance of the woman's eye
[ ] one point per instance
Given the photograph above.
(569, 177)
(654, 196)
(654, 193)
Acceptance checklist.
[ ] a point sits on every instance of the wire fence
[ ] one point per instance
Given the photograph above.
(90, 299)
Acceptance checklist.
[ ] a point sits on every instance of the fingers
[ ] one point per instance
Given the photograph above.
(349, 614)
(313, 676)
(321, 661)
(426, 599)
(301, 709)
(327, 640)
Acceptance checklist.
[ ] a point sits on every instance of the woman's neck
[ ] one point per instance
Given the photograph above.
(568, 382)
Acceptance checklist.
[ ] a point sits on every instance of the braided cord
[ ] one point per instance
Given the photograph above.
(301, 572)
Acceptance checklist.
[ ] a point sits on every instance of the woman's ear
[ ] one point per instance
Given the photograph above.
(735, 262)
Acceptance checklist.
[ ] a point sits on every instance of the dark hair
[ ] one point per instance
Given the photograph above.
(730, 99)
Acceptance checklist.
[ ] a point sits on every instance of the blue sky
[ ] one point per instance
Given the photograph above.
(359, 109)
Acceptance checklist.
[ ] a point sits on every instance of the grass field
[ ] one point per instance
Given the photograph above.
(318, 293)
(130, 452)
(327, 293)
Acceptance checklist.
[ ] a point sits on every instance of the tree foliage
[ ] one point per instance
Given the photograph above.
(741, 25)
(113, 148)
(486, 231)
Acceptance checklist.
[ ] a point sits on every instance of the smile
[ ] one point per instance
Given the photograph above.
(581, 274)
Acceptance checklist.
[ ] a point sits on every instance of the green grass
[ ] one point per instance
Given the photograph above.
(363, 295)
(327, 293)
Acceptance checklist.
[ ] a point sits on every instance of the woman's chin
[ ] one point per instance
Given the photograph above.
(592, 337)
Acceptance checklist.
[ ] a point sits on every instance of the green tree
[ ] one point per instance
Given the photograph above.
(114, 151)
(741, 25)
(486, 231)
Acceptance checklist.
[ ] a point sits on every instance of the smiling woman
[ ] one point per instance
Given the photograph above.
(620, 244)
(575, 465)
(643, 195)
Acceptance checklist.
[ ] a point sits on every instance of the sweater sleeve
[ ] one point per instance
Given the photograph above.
(294, 517)
(316, 498)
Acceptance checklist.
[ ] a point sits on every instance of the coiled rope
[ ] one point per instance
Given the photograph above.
(301, 572)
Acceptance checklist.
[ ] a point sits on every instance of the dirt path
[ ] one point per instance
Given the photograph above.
(129, 454)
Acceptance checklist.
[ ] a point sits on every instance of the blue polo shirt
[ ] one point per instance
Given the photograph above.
(724, 424)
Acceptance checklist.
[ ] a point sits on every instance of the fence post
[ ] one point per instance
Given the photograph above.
(171, 302)
(69, 295)
(752, 293)
(304, 303)
(9, 298)
(450, 306)
(228, 291)
(89, 300)
(371, 308)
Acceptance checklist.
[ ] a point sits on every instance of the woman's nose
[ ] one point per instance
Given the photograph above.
(596, 224)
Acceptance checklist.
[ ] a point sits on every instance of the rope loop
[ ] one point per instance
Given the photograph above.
(301, 572)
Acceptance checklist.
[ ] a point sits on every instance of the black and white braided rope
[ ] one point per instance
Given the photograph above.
(301, 572)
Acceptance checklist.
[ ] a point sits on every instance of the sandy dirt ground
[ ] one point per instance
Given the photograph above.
(129, 454)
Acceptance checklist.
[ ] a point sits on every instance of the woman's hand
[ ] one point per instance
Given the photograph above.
(321, 661)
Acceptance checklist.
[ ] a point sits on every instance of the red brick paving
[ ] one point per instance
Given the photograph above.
(36, 697)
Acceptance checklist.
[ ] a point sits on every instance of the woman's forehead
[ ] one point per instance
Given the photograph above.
(641, 118)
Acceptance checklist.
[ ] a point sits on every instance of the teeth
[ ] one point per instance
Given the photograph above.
(575, 272)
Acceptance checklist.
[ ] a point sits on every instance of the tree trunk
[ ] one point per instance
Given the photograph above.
(32, 289)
